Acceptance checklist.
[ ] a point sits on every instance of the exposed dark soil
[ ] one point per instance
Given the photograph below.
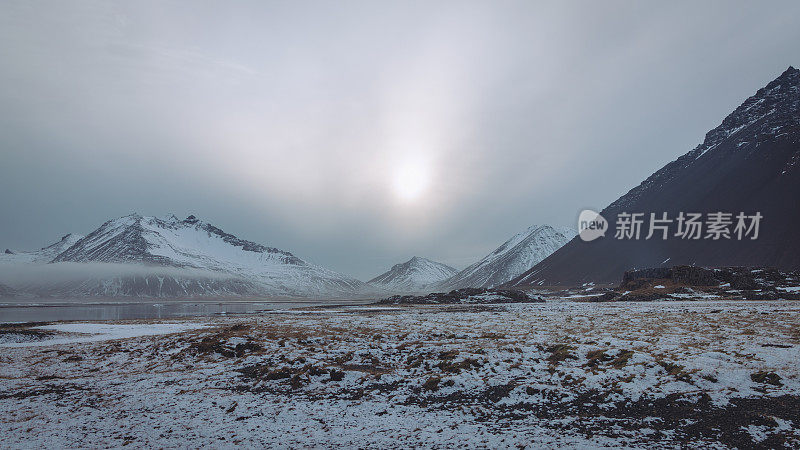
(24, 332)
(676, 419)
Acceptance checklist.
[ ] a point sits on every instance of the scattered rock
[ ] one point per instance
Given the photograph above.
(764, 377)
(464, 296)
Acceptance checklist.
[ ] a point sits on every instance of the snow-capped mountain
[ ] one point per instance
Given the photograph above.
(514, 257)
(166, 257)
(749, 163)
(413, 275)
(43, 255)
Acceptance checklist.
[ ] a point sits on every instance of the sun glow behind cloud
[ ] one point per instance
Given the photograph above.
(377, 144)
(411, 180)
(366, 128)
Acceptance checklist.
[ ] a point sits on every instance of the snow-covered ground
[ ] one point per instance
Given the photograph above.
(659, 374)
(91, 332)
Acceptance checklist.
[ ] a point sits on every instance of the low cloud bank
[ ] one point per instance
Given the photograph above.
(26, 275)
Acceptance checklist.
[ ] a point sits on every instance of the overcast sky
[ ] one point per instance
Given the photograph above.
(358, 134)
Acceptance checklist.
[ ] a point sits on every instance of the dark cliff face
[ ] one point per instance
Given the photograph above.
(750, 163)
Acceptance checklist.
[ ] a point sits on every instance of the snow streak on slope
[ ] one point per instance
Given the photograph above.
(514, 257)
(413, 275)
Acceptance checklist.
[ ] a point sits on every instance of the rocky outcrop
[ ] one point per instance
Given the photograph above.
(686, 275)
(464, 296)
(689, 282)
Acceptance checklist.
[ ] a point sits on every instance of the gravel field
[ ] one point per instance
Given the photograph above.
(655, 374)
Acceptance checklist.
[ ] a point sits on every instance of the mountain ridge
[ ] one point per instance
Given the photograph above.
(43, 255)
(214, 262)
(749, 163)
(510, 259)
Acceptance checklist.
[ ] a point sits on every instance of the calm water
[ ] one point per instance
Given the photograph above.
(144, 310)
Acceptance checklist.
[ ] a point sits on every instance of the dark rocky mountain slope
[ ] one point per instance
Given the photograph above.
(750, 163)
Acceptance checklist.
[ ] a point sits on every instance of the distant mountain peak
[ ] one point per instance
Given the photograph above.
(791, 71)
(193, 244)
(136, 238)
(512, 258)
(413, 275)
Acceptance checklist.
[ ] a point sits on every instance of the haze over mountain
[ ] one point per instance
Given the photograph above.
(167, 257)
(750, 163)
(377, 129)
(514, 257)
(7, 292)
(414, 275)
